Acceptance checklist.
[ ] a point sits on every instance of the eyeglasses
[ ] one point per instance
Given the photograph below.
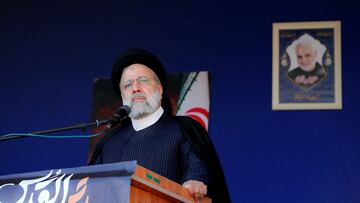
(142, 80)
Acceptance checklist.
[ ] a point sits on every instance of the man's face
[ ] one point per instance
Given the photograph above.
(305, 57)
(141, 90)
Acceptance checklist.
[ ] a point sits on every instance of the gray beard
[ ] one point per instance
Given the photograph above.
(140, 110)
(313, 66)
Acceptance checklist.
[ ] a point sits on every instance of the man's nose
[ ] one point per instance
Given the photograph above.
(136, 87)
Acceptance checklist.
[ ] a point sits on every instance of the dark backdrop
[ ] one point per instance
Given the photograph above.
(51, 52)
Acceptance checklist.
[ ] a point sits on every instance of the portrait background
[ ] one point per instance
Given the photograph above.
(324, 91)
(325, 94)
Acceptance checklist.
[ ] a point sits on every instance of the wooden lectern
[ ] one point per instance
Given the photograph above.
(98, 183)
(149, 187)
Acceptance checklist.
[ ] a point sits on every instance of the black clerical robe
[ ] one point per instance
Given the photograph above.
(175, 147)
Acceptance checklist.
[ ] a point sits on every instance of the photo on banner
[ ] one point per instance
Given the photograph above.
(306, 66)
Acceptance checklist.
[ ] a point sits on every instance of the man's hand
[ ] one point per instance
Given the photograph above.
(196, 189)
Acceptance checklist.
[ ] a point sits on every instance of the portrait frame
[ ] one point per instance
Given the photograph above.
(310, 79)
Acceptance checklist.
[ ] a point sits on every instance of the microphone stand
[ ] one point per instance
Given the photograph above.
(81, 126)
(122, 114)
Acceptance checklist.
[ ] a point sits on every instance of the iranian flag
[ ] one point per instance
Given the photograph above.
(194, 98)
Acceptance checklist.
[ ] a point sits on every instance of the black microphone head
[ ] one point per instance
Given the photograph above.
(124, 111)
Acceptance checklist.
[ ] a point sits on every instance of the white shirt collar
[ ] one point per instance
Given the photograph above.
(147, 121)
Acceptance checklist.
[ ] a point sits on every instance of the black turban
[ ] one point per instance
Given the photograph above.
(140, 56)
(133, 56)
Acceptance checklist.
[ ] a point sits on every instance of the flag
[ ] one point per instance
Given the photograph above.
(194, 98)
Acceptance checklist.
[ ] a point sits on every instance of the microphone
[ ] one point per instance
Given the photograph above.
(123, 113)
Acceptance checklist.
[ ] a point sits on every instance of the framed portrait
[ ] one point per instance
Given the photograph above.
(306, 72)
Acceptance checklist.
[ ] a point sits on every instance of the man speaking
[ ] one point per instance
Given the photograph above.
(175, 147)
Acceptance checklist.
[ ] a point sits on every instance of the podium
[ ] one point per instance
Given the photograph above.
(117, 182)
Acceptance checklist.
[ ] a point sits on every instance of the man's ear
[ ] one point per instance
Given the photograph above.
(160, 88)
